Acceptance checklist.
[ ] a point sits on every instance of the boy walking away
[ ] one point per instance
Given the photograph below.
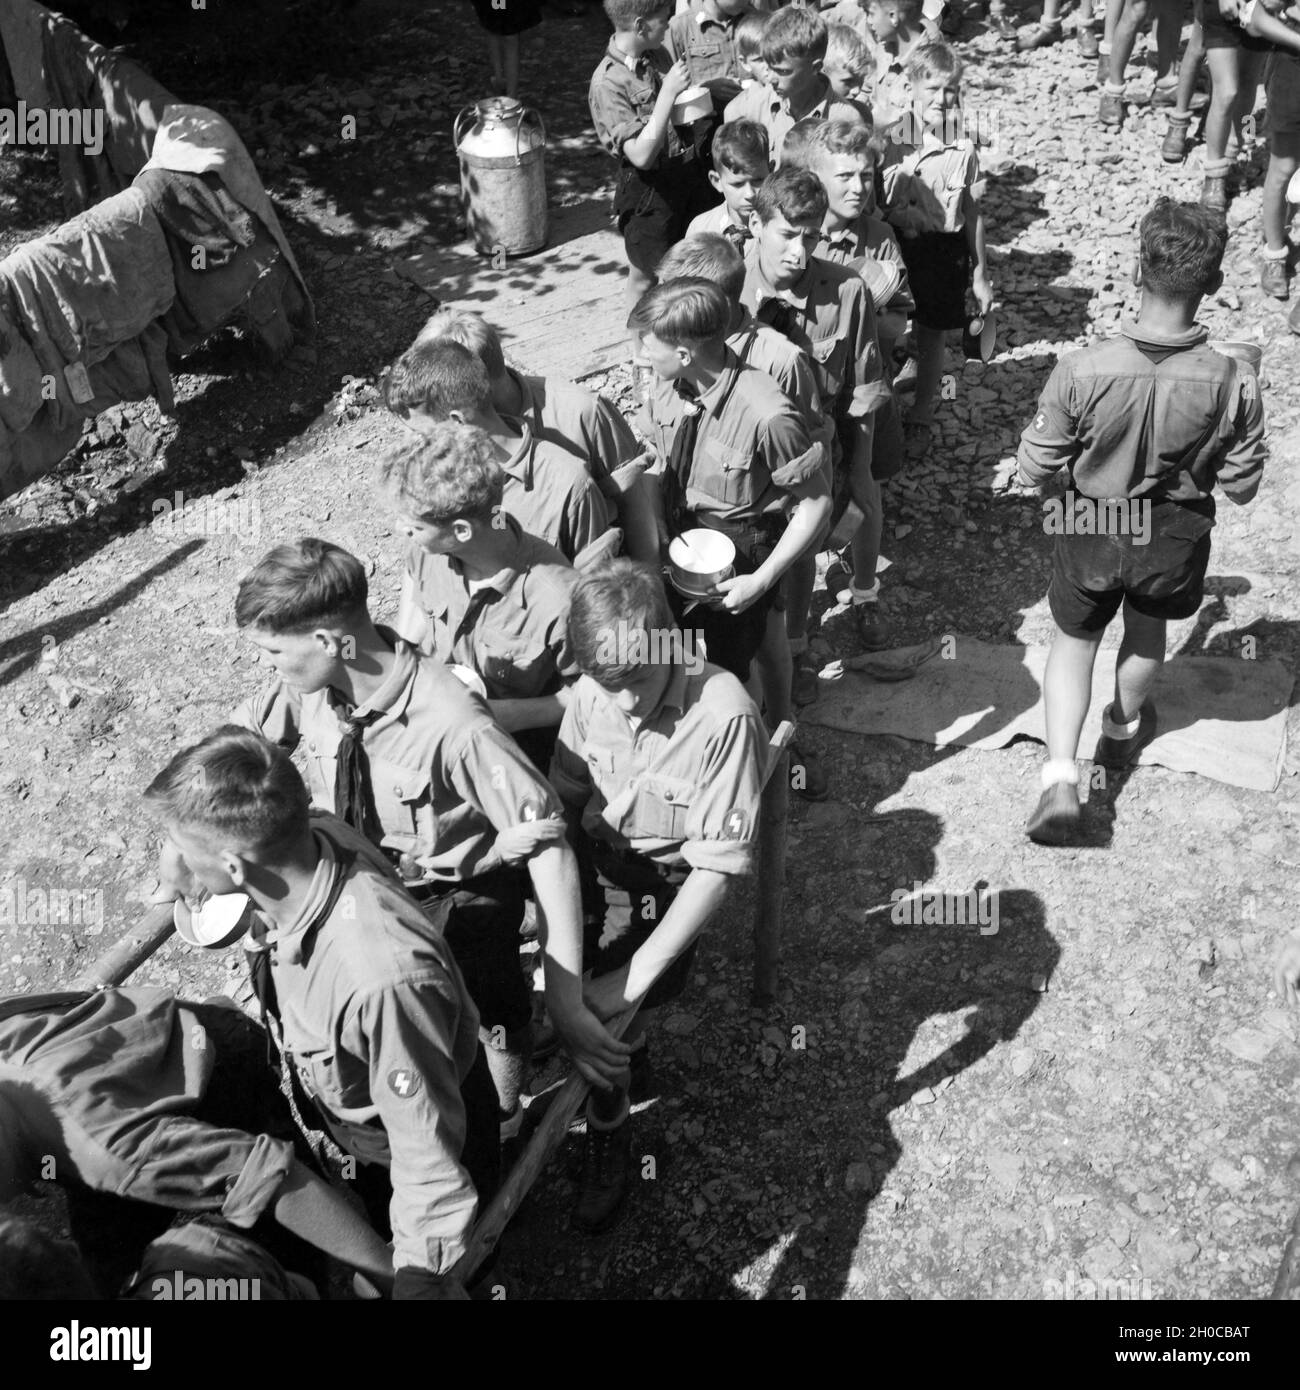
(400, 750)
(478, 594)
(661, 183)
(756, 345)
(376, 1032)
(659, 766)
(560, 412)
(734, 456)
(148, 1106)
(1146, 423)
(825, 310)
(740, 164)
(548, 491)
(794, 46)
(932, 190)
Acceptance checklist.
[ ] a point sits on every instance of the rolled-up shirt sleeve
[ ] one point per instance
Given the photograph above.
(274, 713)
(407, 1035)
(792, 458)
(1243, 468)
(569, 774)
(614, 116)
(1050, 441)
(490, 773)
(722, 826)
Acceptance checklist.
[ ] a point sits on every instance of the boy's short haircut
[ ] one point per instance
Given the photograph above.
(706, 256)
(471, 331)
(934, 60)
(796, 194)
(436, 377)
(618, 599)
(794, 33)
(1182, 247)
(742, 147)
(795, 147)
(844, 45)
(623, 14)
(238, 786)
(449, 474)
(839, 137)
(300, 586)
(749, 33)
(683, 311)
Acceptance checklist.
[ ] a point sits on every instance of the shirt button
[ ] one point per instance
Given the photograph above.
(311, 745)
(397, 791)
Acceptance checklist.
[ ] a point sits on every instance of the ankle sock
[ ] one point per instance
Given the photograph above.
(870, 595)
(1119, 731)
(1115, 89)
(1059, 770)
(1103, 49)
(1270, 255)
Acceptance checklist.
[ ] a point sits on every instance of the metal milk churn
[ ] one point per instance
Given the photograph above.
(501, 145)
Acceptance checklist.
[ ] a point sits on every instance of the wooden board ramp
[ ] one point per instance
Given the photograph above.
(560, 311)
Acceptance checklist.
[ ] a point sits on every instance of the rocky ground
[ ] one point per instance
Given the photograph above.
(1102, 1090)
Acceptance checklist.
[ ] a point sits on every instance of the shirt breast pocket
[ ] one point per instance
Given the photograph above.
(828, 355)
(723, 472)
(642, 99)
(706, 50)
(514, 669)
(403, 806)
(661, 807)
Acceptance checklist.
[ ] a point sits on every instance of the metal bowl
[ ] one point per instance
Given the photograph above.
(219, 920)
(1249, 353)
(698, 561)
(693, 105)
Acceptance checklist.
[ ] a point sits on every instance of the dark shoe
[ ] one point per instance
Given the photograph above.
(606, 1165)
(804, 684)
(1293, 319)
(1088, 41)
(808, 777)
(1273, 278)
(872, 632)
(1042, 35)
(1118, 753)
(1110, 110)
(1057, 815)
(1173, 149)
(1214, 192)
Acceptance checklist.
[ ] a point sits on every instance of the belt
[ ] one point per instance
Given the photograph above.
(746, 535)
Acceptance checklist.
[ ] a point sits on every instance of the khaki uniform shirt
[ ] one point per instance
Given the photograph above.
(446, 777)
(552, 496)
(770, 109)
(870, 247)
(707, 44)
(925, 186)
(510, 629)
(682, 787)
(622, 97)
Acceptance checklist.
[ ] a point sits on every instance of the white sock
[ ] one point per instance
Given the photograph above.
(1103, 48)
(1115, 88)
(1280, 255)
(1119, 731)
(865, 595)
(1059, 770)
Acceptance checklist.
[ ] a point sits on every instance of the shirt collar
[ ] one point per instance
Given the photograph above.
(528, 408)
(797, 294)
(289, 941)
(505, 577)
(391, 695)
(520, 464)
(1148, 337)
(633, 65)
(712, 398)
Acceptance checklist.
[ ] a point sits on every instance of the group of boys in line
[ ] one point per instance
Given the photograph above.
(521, 750)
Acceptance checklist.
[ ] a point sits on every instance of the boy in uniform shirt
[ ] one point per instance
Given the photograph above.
(1146, 423)
(548, 491)
(659, 766)
(661, 183)
(401, 751)
(149, 1106)
(563, 413)
(369, 1012)
(485, 596)
(706, 39)
(794, 45)
(740, 164)
(735, 456)
(825, 310)
(756, 345)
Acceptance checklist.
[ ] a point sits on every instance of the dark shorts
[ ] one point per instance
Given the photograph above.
(653, 208)
(1220, 33)
(938, 270)
(483, 933)
(1165, 578)
(731, 640)
(625, 898)
(887, 451)
(1282, 94)
(508, 16)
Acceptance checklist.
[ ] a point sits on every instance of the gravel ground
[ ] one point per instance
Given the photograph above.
(1103, 1089)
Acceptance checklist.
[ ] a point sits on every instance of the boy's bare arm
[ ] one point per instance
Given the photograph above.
(981, 285)
(643, 150)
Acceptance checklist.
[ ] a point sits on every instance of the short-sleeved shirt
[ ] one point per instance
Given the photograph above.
(622, 98)
(757, 345)
(558, 412)
(833, 321)
(118, 1077)
(683, 786)
(771, 110)
(869, 246)
(708, 45)
(446, 777)
(511, 628)
(714, 220)
(374, 1017)
(552, 496)
(1147, 415)
(753, 453)
(925, 187)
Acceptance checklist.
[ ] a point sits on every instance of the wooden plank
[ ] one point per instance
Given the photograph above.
(130, 951)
